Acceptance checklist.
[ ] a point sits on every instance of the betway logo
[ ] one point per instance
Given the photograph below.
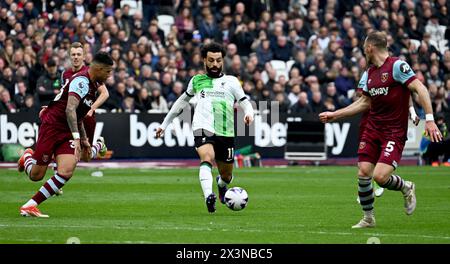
(269, 136)
(141, 134)
(266, 135)
(334, 131)
(379, 91)
(274, 135)
(26, 133)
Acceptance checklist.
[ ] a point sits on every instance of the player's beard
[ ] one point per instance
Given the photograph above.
(214, 74)
(368, 61)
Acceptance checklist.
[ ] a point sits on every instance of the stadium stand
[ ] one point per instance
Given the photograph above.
(322, 38)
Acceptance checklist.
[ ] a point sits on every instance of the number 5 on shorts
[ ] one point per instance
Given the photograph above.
(390, 146)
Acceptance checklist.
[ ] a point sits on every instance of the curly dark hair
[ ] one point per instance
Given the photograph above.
(212, 47)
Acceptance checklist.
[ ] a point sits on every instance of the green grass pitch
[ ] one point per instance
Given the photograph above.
(314, 205)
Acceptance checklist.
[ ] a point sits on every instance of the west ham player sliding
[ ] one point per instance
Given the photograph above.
(62, 133)
(386, 95)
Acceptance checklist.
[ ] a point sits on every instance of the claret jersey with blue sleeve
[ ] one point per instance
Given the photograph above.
(387, 86)
(80, 86)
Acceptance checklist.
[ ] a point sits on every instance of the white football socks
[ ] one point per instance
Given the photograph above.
(206, 180)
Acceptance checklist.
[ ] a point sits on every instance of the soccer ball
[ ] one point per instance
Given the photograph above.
(236, 198)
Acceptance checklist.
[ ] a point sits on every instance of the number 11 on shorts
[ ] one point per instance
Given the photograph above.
(230, 153)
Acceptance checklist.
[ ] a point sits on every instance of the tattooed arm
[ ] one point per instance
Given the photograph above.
(83, 133)
(71, 115)
(85, 146)
(78, 89)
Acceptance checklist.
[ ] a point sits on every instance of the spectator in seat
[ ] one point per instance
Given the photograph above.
(344, 82)
(282, 50)
(19, 98)
(317, 104)
(6, 104)
(49, 83)
(302, 106)
(177, 90)
(159, 103)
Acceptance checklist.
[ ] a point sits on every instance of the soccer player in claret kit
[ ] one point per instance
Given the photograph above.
(62, 133)
(386, 95)
(378, 191)
(77, 56)
(213, 122)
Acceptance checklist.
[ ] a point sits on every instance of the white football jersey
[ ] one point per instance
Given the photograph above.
(215, 99)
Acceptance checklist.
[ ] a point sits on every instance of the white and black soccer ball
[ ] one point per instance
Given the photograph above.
(236, 198)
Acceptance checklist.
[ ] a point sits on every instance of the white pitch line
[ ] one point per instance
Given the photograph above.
(85, 241)
(228, 230)
(130, 228)
(28, 240)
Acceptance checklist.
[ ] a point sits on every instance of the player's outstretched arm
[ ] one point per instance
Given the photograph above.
(244, 103)
(176, 109)
(412, 112)
(360, 105)
(71, 115)
(103, 95)
(247, 107)
(431, 129)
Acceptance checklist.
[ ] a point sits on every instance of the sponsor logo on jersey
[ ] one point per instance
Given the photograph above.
(404, 67)
(215, 94)
(88, 102)
(387, 154)
(384, 76)
(379, 91)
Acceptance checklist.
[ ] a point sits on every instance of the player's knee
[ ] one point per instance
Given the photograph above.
(67, 174)
(208, 158)
(364, 173)
(380, 178)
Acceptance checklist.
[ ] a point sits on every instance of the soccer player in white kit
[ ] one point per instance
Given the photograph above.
(213, 122)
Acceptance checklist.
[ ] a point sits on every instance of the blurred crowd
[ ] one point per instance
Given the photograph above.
(307, 55)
